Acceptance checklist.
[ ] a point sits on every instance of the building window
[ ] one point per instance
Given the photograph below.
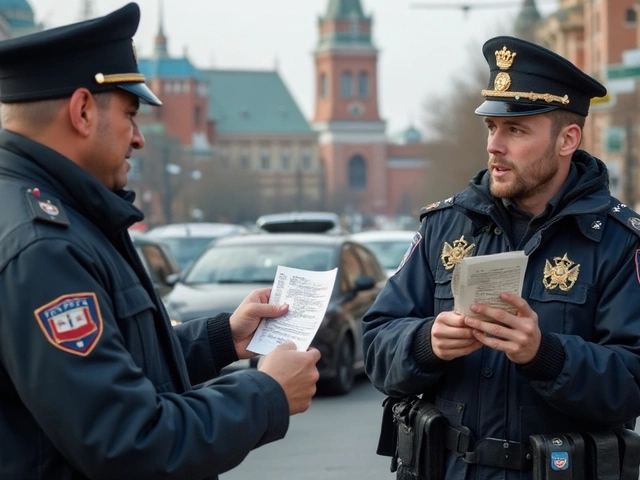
(265, 159)
(324, 87)
(196, 116)
(630, 17)
(306, 159)
(363, 85)
(345, 85)
(244, 158)
(186, 87)
(357, 173)
(286, 159)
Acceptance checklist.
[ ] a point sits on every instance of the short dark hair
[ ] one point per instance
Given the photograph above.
(561, 118)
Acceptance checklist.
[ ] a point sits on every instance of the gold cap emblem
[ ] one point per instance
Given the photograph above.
(504, 58)
(502, 82)
(562, 275)
(453, 254)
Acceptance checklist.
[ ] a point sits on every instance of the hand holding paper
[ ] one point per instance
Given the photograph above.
(483, 278)
(307, 293)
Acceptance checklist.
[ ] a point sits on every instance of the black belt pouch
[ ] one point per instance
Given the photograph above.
(421, 441)
(558, 457)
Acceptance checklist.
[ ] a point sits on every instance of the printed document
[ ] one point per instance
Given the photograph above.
(483, 278)
(307, 293)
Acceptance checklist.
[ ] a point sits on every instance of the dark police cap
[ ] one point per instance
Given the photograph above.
(527, 79)
(97, 54)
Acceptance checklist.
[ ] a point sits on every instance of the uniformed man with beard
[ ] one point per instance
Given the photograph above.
(567, 357)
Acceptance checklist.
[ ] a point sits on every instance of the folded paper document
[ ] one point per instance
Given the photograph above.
(483, 278)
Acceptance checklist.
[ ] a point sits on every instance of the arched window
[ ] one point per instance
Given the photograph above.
(324, 86)
(345, 85)
(357, 173)
(363, 85)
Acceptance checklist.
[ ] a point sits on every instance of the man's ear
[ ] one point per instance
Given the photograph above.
(82, 112)
(569, 139)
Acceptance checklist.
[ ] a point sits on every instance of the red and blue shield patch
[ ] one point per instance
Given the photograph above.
(72, 323)
(417, 238)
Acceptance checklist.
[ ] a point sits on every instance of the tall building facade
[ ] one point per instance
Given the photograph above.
(364, 172)
(602, 38)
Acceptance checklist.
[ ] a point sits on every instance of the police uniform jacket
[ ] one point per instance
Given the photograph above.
(94, 382)
(587, 371)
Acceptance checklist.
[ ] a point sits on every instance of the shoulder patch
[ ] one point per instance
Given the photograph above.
(46, 208)
(424, 211)
(417, 238)
(623, 214)
(72, 323)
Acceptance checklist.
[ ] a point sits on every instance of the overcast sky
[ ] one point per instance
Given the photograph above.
(420, 49)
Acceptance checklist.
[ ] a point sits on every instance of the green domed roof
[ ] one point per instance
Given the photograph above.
(17, 12)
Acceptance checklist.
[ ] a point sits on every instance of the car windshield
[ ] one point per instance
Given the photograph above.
(257, 263)
(186, 249)
(388, 252)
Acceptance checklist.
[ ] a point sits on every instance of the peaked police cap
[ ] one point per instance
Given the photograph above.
(527, 79)
(96, 54)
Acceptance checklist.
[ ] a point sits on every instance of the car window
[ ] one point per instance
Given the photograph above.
(370, 265)
(157, 262)
(389, 252)
(256, 263)
(186, 249)
(351, 268)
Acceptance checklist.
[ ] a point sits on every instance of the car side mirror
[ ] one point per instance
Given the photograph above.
(172, 279)
(364, 282)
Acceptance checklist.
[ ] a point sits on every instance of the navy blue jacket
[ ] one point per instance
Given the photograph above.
(94, 382)
(587, 371)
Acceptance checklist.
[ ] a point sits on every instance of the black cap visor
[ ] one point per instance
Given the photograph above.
(142, 91)
(496, 108)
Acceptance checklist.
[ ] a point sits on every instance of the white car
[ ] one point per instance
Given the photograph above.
(389, 246)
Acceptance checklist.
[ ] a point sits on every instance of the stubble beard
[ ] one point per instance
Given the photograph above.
(529, 180)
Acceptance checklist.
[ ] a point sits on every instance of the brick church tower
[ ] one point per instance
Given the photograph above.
(353, 144)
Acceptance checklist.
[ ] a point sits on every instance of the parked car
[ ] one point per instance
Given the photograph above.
(158, 260)
(188, 240)
(232, 267)
(389, 246)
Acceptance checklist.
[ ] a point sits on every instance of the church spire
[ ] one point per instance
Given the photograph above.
(345, 24)
(527, 21)
(161, 49)
(344, 9)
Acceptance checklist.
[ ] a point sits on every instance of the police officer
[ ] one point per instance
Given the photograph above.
(94, 382)
(568, 358)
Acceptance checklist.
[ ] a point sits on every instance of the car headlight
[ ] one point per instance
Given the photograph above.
(175, 322)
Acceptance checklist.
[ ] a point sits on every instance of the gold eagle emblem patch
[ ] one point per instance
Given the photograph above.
(562, 275)
(453, 254)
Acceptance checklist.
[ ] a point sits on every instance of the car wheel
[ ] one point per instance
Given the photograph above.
(343, 381)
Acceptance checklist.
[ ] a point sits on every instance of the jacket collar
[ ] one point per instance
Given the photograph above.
(112, 212)
(587, 201)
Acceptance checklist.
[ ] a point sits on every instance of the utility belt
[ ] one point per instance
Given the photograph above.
(416, 436)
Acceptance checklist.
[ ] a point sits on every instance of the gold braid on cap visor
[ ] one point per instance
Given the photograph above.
(547, 97)
(119, 78)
